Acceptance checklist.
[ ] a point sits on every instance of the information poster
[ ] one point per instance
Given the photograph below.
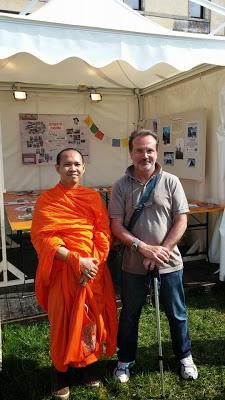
(43, 136)
(182, 144)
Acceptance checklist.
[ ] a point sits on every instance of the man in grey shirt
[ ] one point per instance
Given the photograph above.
(152, 243)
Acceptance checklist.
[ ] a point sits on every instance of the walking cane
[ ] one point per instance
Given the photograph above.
(155, 274)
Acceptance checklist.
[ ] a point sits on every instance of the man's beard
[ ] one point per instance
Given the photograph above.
(147, 166)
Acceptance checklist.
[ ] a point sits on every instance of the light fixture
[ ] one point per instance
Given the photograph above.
(95, 96)
(18, 93)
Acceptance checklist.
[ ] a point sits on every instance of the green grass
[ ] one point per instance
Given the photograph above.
(26, 361)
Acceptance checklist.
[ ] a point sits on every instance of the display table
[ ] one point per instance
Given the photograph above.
(19, 208)
(195, 222)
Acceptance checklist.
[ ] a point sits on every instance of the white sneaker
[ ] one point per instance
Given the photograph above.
(188, 368)
(121, 372)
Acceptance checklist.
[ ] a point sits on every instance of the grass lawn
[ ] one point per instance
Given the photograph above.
(26, 362)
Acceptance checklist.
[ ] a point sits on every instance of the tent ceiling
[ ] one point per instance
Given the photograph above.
(83, 45)
(74, 71)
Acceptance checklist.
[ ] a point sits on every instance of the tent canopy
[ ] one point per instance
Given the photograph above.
(87, 44)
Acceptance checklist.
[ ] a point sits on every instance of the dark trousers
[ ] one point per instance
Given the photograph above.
(134, 293)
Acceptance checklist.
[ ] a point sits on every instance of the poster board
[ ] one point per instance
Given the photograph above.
(44, 135)
(182, 143)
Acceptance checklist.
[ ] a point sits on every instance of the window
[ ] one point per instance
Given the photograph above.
(135, 4)
(196, 11)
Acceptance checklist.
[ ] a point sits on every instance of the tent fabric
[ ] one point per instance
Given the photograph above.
(133, 43)
(220, 233)
(92, 14)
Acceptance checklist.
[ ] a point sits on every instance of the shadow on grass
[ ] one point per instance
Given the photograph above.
(24, 380)
(201, 299)
(207, 352)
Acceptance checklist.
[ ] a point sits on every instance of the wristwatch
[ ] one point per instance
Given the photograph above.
(135, 244)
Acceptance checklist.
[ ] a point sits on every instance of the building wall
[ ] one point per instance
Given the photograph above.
(18, 5)
(175, 15)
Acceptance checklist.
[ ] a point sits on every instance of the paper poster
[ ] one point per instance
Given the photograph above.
(182, 144)
(43, 136)
(191, 148)
(177, 126)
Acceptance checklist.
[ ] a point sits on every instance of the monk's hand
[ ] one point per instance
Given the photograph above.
(156, 254)
(89, 266)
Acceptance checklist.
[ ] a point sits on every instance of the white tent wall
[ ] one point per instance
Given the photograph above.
(115, 116)
(219, 236)
(202, 92)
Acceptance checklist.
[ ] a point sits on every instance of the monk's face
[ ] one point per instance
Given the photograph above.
(71, 168)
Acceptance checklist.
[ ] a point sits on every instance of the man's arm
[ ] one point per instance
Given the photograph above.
(156, 254)
(176, 232)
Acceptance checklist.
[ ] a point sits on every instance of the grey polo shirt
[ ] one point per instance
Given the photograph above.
(155, 221)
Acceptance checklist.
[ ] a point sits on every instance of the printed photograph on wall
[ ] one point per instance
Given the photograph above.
(191, 149)
(168, 158)
(177, 126)
(192, 131)
(191, 162)
(166, 134)
(179, 153)
(152, 124)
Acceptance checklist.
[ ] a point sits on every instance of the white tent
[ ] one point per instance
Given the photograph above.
(127, 49)
(101, 44)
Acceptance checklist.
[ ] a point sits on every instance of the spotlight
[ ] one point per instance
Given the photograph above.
(96, 97)
(18, 93)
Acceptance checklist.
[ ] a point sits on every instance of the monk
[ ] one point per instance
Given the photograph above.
(70, 232)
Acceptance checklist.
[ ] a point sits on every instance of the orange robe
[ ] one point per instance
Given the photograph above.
(83, 319)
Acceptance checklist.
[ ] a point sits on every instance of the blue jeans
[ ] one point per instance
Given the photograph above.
(134, 293)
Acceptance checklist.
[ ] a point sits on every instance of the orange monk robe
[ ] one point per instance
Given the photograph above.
(83, 319)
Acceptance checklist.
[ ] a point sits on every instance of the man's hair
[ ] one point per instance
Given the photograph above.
(141, 133)
(59, 155)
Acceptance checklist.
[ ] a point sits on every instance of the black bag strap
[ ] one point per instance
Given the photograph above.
(144, 198)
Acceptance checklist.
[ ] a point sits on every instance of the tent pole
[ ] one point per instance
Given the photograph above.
(3, 264)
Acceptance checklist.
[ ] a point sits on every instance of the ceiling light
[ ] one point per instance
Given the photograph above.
(95, 96)
(18, 93)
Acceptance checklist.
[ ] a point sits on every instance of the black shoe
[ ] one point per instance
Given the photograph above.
(59, 384)
(89, 379)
